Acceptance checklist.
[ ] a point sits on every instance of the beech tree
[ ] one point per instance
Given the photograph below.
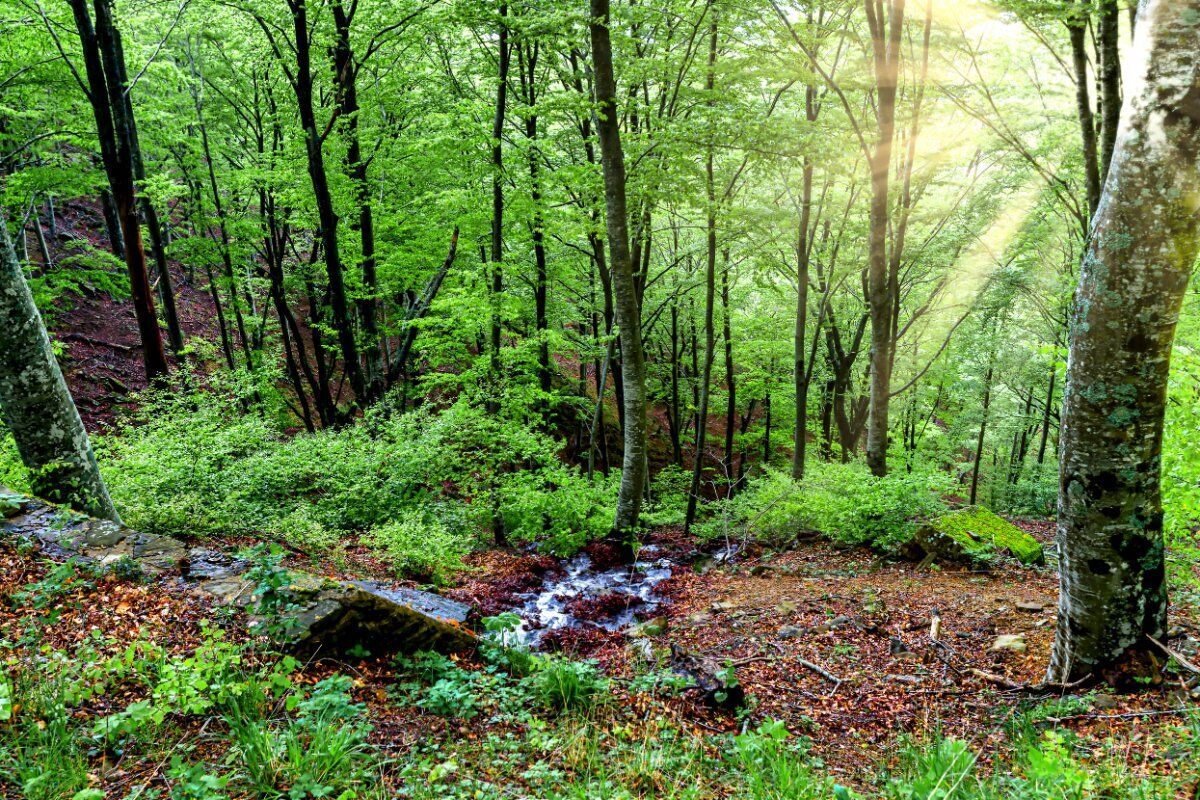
(36, 404)
(1113, 592)
(628, 313)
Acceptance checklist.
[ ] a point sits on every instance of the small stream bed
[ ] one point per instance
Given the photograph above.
(582, 595)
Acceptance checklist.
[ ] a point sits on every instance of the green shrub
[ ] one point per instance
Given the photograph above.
(419, 545)
(772, 769)
(565, 685)
(843, 501)
(184, 466)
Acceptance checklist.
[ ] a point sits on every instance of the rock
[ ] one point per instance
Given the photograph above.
(722, 605)
(326, 615)
(718, 684)
(790, 632)
(700, 618)
(1031, 607)
(834, 624)
(651, 627)
(1010, 642)
(973, 536)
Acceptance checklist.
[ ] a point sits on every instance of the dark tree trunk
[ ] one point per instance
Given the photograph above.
(346, 84)
(100, 54)
(1131, 288)
(1109, 44)
(730, 382)
(628, 315)
(987, 404)
(112, 224)
(1077, 29)
(302, 84)
(885, 35)
(497, 252)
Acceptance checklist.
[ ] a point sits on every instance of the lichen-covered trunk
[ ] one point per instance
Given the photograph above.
(36, 405)
(628, 315)
(1143, 247)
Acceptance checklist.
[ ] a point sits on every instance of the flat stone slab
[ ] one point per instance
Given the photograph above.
(326, 615)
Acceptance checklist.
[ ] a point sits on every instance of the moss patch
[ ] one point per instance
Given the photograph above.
(977, 534)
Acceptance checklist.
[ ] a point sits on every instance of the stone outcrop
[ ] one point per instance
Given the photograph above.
(323, 614)
(974, 535)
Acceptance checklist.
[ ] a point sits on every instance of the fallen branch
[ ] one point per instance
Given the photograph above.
(824, 673)
(79, 337)
(1183, 662)
(1045, 686)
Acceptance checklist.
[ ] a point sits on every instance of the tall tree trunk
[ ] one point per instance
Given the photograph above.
(1046, 411)
(730, 382)
(302, 85)
(987, 404)
(346, 76)
(497, 251)
(628, 315)
(710, 292)
(112, 224)
(1077, 30)
(1131, 288)
(116, 151)
(886, 36)
(801, 376)
(1109, 44)
(36, 404)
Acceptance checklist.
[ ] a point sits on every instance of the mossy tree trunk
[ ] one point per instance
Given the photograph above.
(36, 405)
(1136, 269)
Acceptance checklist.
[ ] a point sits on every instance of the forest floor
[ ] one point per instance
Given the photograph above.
(834, 642)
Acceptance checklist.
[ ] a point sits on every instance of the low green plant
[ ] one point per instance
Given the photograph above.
(321, 752)
(563, 685)
(418, 545)
(773, 768)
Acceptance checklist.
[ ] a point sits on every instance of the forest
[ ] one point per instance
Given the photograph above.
(681, 399)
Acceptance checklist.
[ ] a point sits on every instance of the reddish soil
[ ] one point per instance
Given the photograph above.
(102, 354)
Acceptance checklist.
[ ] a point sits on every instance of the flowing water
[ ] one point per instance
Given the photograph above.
(545, 610)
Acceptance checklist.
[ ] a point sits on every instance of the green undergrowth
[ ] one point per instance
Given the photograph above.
(224, 718)
(842, 501)
(422, 488)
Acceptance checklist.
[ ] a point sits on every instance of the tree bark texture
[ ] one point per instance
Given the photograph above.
(1135, 272)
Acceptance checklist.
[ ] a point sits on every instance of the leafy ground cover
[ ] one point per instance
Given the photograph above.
(117, 688)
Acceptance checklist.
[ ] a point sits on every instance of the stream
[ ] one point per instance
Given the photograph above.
(550, 607)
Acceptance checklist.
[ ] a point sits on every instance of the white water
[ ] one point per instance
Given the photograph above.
(546, 609)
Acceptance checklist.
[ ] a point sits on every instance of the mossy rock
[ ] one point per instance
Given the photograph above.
(976, 535)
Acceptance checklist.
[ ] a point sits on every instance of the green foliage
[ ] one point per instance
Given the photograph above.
(565, 685)
(60, 581)
(773, 769)
(843, 501)
(421, 486)
(420, 545)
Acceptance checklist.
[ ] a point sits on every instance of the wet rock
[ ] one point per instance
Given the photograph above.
(717, 683)
(325, 615)
(1009, 642)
